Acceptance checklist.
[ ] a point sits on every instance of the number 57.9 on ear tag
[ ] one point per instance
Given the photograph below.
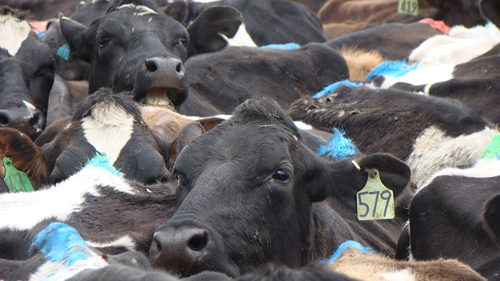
(375, 201)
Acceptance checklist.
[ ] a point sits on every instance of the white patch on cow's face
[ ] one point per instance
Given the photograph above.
(108, 129)
(433, 151)
(139, 9)
(241, 38)
(428, 72)
(25, 209)
(125, 241)
(13, 33)
(398, 275)
(61, 271)
(461, 45)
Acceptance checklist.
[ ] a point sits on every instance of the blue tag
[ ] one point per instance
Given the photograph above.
(41, 34)
(63, 52)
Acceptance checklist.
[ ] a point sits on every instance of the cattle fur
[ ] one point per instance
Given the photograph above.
(15, 29)
(374, 267)
(360, 62)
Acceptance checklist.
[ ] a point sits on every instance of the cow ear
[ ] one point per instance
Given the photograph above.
(491, 11)
(492, 217)
(188, 133)
(347, 177)
(177, 10)
(77, 36)
(205, 31)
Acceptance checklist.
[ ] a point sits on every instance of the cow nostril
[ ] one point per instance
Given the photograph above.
(178, 68)
(151, 65)
(35, 120)
(198, 242)
(4, 120)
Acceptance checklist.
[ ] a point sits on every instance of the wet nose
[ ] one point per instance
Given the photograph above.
(180, 249)
(170, 68)
(27, 120)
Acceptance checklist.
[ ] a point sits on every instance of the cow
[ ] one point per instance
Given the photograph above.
(111, 213)
(43, 10)
(105, 123)
(428, 133)
(220, 81)
(57, 251)
(395, 41)
(466, 13)
(456, 207)
(27, 74)
(138, 48)
(259, 195)
(270, 21)
(359, 262)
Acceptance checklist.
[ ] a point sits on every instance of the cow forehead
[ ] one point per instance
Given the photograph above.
(256, 148)
(135, 19)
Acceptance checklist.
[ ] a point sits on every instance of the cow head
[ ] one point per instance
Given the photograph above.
(109, 124)
(26, 76)
(136, 47)
(245, 194)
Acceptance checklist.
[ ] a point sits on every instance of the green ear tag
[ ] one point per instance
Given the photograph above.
(16, 180)
(408, 7)
(375, 201)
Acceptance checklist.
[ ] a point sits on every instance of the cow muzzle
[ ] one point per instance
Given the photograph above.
(189, 250)
(30, 121)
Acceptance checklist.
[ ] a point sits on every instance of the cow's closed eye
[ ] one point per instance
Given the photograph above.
(182, 41)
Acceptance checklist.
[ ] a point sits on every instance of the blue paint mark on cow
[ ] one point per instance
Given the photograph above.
(345, 245)
(339, 146)
(287, 46)
(392, 68)
(61, 243)
(330, 88)
(102, 161)
(63, 52)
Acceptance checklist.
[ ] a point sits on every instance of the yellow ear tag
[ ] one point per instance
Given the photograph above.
(408, 7)
(375, 201)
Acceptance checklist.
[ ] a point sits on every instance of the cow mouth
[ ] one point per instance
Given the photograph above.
(159, 97)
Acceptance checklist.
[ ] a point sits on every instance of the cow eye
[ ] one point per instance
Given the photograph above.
(182, 41)
(282, 176)
(102, 41)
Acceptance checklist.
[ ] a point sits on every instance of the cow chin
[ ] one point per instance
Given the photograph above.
(189, 250)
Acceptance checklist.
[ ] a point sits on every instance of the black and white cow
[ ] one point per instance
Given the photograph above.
(105, 123)
(259, 195)
(136, 47)
(26, 75)
(455, 215)
(111, 213)
(428, 133)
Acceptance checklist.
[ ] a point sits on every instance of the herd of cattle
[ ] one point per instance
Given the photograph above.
(249, 140)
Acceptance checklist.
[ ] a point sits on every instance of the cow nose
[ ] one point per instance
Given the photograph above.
(180, 249)
(28, 121)
(169, 67)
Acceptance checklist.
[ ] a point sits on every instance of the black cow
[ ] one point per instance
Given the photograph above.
(220, 81)
(394, 41)
(448, 212)
(428, 133)
(136, 47)
(270, 21)
(259, 195)
(105, 123)
(26, 77)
